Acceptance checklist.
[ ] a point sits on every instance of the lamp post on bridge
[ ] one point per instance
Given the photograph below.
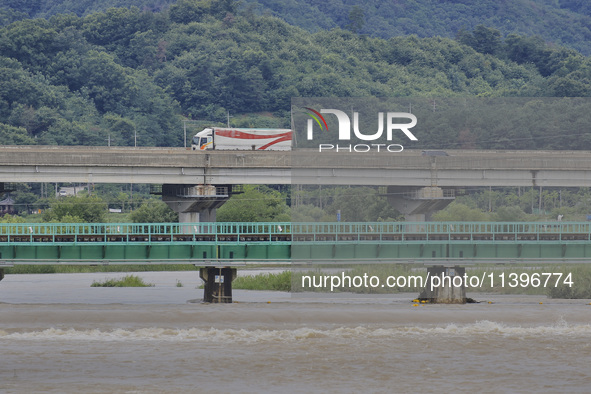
(185, 129)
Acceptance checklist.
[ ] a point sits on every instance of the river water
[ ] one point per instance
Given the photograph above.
(58, 334)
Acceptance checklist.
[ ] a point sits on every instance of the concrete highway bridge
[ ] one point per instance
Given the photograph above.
(196, 183)
(461, 168)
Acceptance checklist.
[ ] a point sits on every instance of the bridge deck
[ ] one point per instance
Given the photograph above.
(461, 168)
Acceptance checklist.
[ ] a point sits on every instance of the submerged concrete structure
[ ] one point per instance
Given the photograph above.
(445, 285)
(217, 286)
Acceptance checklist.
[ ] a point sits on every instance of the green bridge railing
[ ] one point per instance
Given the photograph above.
(231, 242)
(286, 228)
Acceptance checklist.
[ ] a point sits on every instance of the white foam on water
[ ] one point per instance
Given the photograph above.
(480, 328)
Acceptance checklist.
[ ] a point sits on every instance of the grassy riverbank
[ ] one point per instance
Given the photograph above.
(269, 281)
(555, 281)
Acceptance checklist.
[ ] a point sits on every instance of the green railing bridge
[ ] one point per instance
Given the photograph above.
(215, 244)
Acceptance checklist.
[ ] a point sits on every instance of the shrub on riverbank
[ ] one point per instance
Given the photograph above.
(127, 281)
(581, 287)
(269, 281)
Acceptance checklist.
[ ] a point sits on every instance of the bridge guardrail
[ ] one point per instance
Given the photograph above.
(289, 228)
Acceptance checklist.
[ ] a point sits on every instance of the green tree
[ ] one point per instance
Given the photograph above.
(87, 209)
(154, 211)
(457, 212)
(256, 204)
(356, 19)
(186, 11)
(12, 219)
(10, 135)
(509, 214)
(307, 213)
(120, 201)
(24, 201)
(483, 39)
(357, 204)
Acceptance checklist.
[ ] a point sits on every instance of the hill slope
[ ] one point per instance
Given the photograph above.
(559, 22)
(563, 22)
(126, 72)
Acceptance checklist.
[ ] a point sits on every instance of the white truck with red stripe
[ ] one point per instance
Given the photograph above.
(227, 138)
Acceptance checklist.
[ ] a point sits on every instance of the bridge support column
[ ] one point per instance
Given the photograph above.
(441, 287)
(218, 284)
(195, 204)
(418, 205)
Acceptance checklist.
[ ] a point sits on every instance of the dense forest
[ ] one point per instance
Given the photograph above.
(559, 22)
(112, 76)
(13, 10)
(562, 22)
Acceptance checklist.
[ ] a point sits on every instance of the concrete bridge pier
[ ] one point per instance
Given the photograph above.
(218, 284)
(445, 285)
(418, 204)
(195, 204)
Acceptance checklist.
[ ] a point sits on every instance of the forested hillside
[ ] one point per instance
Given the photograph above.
(558, 22)
(126, 72)
(12, 10)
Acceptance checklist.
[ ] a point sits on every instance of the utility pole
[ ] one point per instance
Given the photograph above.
(185, 128)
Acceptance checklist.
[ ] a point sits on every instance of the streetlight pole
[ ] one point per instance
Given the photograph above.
(185, 128)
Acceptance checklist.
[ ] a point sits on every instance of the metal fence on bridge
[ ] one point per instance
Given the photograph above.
(204, 243)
